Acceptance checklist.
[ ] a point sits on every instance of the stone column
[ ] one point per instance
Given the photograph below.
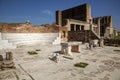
(101, 42)
(90, 23)
(80, 27)
(74, 27)
(0, 36)
(9, 56)
(69, 50)
(59, 34)
(59, 18)
(62, 49)
(98, 26)
(79, 48)
(1, 58)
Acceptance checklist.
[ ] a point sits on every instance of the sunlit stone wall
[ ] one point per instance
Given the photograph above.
(30, 38)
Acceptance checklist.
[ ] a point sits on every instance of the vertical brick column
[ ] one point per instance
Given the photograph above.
(98, 21)
(59, 18)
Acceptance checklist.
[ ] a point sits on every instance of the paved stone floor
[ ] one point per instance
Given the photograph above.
(104, 64)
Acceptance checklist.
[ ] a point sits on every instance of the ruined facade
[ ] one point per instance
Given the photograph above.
(81, 13)
(13, 35)
(78, 19)
(74, 24)
(105, 25)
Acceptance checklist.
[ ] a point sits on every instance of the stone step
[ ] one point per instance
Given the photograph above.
(31, 38)
(3, 42)
(35, 41)
(11, 37)
(32, 35)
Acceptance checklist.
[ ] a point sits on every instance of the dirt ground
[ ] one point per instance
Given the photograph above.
(104, 64)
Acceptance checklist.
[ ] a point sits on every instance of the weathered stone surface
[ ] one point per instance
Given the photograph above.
(7, 64)
(9, 56)
(102, 65)
(27, 28)
(1, 58)
(68, 47)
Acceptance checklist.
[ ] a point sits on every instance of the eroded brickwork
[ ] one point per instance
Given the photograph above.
(78, 19)
(105, 24)
(81, 12)
(83, 36)
(26, 28)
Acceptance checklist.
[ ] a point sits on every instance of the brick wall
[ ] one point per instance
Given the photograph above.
(27, 28)
(81, 12)
(83, 36)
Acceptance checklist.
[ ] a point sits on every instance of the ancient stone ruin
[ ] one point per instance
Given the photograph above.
(73, 24)
(7, 62)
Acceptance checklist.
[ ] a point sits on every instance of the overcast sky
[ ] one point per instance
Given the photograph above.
(43, 11)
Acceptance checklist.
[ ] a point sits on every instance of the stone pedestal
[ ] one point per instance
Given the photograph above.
(68, 47)
(9, 56)
(95, 43)
(7, 62)
(1, 58)
(101, 42)
(75, 49)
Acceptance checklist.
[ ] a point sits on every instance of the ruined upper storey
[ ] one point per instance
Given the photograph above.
(81, 12)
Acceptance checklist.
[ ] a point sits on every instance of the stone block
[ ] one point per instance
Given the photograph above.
(31, 38)
(1, 58)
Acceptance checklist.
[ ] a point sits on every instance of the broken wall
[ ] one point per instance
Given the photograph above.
(83, 36)
(27, 28)
(81, 12)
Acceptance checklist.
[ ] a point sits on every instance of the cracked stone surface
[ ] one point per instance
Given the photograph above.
(104, 64)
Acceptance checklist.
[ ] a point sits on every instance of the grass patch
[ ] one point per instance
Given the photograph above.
(117, 50)
(32, 52)
(81, 65)
(115, 45)
(117, 37)
(38, 50)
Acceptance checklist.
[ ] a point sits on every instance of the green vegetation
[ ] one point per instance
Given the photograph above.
(81, 65)
(117, 50)
(117, 37)
(32, 52)
(115, 45)
(38, 50)
(45, 25)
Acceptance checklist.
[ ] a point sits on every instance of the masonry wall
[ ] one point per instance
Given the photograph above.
(82, 13)
(59, 18)
(27, 34)
(30, 38)
(105, 24)
(27, 28)
(83, 36)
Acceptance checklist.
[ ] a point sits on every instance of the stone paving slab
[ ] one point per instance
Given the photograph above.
(104, 64)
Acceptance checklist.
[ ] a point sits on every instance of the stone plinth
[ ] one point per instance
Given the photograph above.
(95, 43)
(101, 42)
(69, 47)
(7, 64)
(9, 56)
